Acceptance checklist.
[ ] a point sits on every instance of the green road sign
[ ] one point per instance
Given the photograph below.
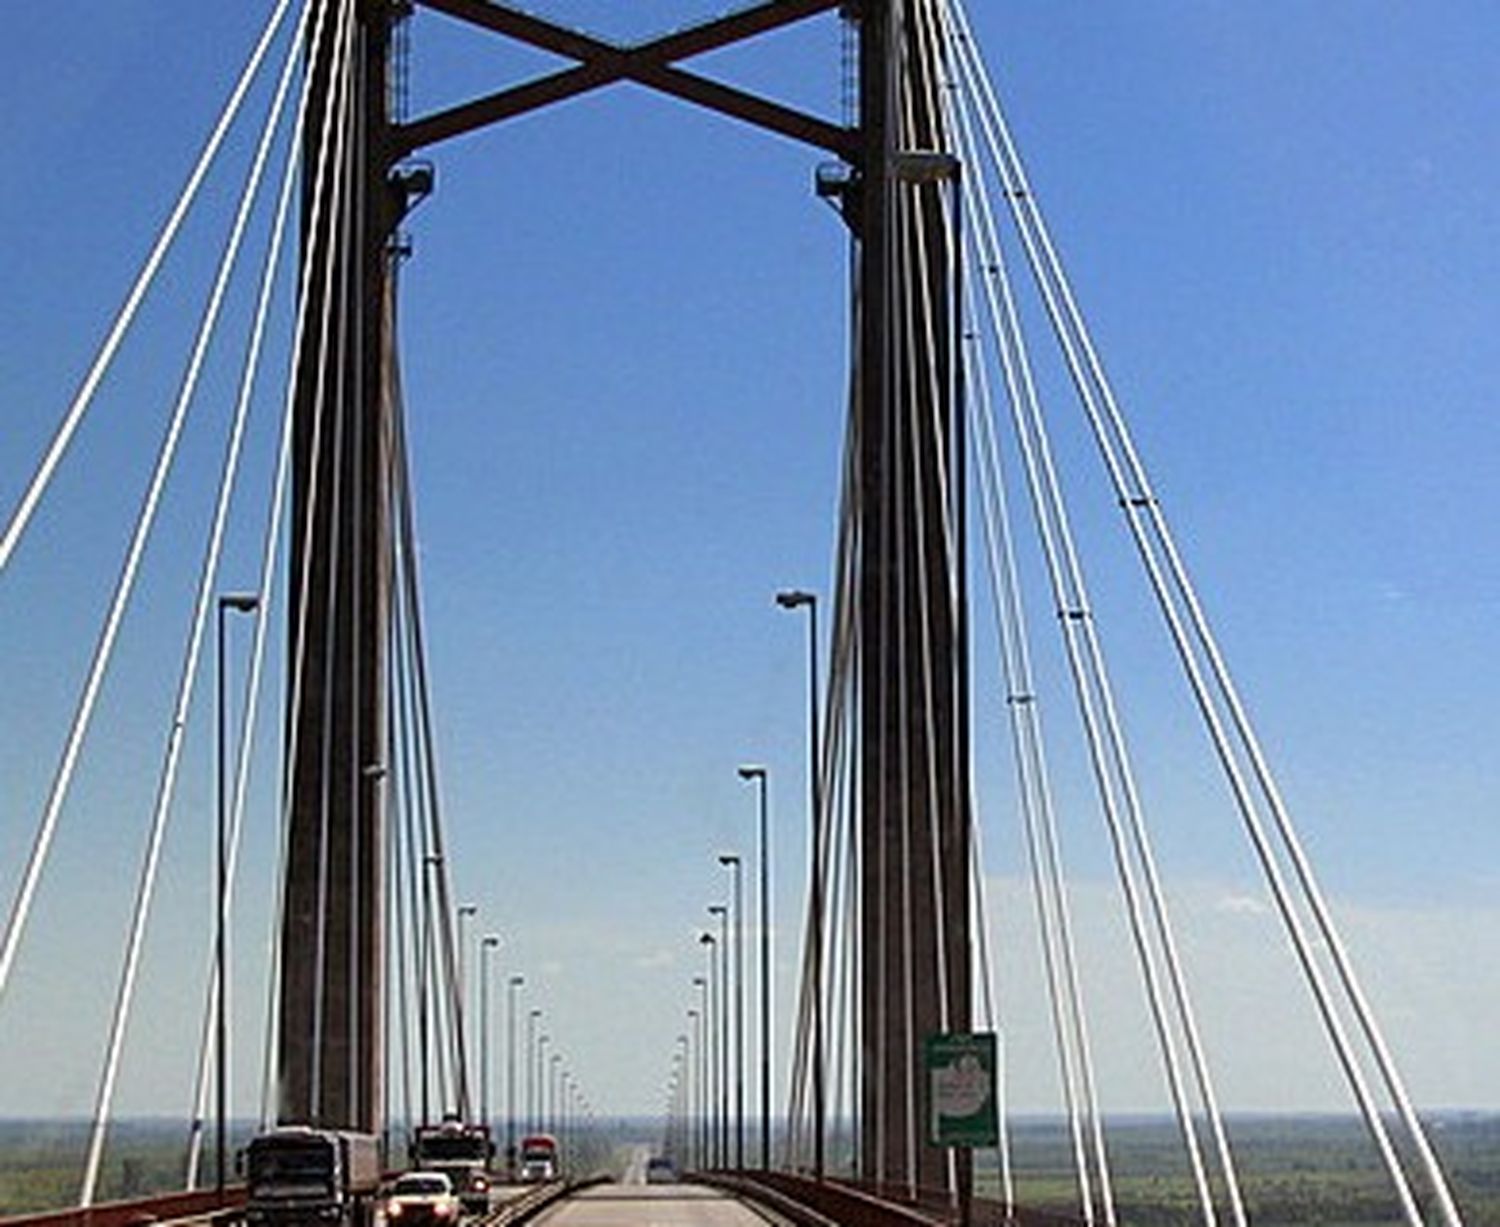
(960, 1072)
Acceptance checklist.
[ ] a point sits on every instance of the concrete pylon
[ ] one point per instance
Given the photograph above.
(332, 944)
(914, 750)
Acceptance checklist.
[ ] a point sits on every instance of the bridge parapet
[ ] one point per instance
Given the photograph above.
(200, 1203)
(847, 1203)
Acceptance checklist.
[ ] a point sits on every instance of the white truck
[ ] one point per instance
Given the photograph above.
(462, 1152)
(297, 1175)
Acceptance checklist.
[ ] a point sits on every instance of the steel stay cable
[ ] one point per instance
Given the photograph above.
(1031, 758)
(1143, 500)
(1022, 207)
(405, 866)
(338, 221)
(433, 1064)
(1133, 503)
(1031, 790)
(104, 648)
(85, 395)
(430, 776)
(264, 590)
(913, 249)
(897, 453)
(166, 785)
(1090, 687)
(306, 273)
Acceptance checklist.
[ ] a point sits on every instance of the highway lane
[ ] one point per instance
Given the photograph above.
(652, 1205)
(633, 1203)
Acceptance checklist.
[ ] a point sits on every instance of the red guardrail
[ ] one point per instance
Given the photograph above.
(136, 1212)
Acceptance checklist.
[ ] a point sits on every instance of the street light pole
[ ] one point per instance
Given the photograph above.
(722, 912)
(490, 942)
(512, 989)
(531, 1068)
(239, 602)
(710, 1024)
(541, 1083)
(762, 781)
(466, 911)
(732, 861)
(426, 989)
(695, 1092)
(797, 599)
(549, 1117)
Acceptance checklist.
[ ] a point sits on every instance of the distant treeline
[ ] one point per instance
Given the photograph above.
(1294, 1170)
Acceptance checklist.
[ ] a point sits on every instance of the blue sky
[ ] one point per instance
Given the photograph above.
(624, 341)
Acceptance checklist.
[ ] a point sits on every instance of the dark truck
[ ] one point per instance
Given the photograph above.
(462, 1152)
(300, 1175)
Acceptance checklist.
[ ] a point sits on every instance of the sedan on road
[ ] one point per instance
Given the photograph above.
(422, 1199)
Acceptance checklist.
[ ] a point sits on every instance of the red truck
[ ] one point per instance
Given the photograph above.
(539, 1158)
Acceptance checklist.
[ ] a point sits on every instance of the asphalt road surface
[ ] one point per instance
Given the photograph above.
(651, 1205)
(634, 1203)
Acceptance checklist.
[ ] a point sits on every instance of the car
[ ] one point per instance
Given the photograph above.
(425, 1198)
(660, 1170)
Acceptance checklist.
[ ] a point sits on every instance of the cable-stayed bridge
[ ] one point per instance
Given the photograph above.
(301, 626)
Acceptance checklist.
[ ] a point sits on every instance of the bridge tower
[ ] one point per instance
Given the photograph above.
(913, 753)
(900, 200)
(329, 1028)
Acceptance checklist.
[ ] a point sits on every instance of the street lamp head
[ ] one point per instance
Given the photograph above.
(468, 909)
(752, 772)
(705, 939)
(795, 598)
(717, 909)
(729, 858)
(491, 941)
(240, 602)
(517, 981)
(536, 1013)
(699, 981)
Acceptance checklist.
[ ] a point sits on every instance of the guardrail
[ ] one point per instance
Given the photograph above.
(135, 1212)
(827, 1203)
(522, 1209)
(844, 1203)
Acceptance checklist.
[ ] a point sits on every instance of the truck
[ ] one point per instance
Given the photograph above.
(462, 1152)
(296, 1175)
(539, 1157)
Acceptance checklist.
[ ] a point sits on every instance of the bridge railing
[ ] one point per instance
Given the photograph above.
(135, 1212)
(846, 1203)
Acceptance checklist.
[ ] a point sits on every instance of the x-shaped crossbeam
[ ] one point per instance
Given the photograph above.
(651, 64)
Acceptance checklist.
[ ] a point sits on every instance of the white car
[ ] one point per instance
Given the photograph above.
(424, 1199)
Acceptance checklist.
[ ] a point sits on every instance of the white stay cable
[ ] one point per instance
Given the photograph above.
(1103, 735)
(42, 842)
(1033, 785)
(326, 182)
(1141, 501)
(85, 394)
(166, 789)
(1111, 432)
(332, 374)
(103, 654)
(270, 551)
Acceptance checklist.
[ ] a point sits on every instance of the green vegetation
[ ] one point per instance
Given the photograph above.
(1314, 1170)
(41, 1162)
(1300, 1170)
